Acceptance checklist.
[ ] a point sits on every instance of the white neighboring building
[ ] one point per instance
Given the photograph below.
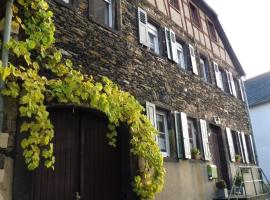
(258, 94)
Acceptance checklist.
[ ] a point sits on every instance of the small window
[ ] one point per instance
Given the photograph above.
(104, 11)
(162, 128)
(204, 69)
(180, 55)
(153, 38)
(225, 84)
(212, 30)
(195, 15)
(237, 87)
(175, 3)
(237, 144)
(193, 134)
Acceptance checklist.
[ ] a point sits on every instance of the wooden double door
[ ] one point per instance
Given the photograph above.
(86, 167)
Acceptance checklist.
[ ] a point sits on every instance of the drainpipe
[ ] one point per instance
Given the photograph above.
(6, 38)
(252, 135)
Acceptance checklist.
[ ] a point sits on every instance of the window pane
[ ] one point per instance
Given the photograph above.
(160, 123)
(162, 142)
(104, 12)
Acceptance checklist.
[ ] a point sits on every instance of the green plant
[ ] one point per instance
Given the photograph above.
(239, 180)
(195, 152)
(238, 158)
(221, 184)
(40, 76)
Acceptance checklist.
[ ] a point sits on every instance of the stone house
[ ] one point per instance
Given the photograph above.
(258, 95)
(175, 58)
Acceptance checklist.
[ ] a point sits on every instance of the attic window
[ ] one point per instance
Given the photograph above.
(195, 15)
(212, 30)
(175, 4)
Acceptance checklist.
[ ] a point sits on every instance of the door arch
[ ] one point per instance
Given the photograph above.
(86, 167)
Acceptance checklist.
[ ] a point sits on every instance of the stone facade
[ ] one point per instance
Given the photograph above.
(117, 54)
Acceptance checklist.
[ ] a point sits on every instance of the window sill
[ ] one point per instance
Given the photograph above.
(67, 5)
(170, 160)
(117, 32)
(175, 8)
(198, 26)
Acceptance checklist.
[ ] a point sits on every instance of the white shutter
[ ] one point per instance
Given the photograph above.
(232, 85)
(230, 144)
(185, 135)
(143, 28)
(168, 43)
(218, 76)
(173, 46)
(177, 122)
(229, 81)
(205, 142)
(241, 89)
(151, 113)
(252, 146)
(245, 146)
(193, 59)
(241, 147)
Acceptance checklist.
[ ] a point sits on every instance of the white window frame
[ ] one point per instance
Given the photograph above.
(153, 31)
(167, 152)
(181, 62)
(203, 69)
(110, 12)
(194, 134)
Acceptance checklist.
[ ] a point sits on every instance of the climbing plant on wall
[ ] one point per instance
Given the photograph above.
(40, 75)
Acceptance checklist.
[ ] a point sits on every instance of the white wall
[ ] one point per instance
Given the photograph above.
(260, 119)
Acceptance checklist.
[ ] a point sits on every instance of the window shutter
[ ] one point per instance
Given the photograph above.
(241, 89)
(229, 82)
(185, 135)
(168, 43)
(245, 147)
(241, 147)
(173, 45)
(218, 76)
(179, 137)
(230, 144)
(143, 29)
(151, 113)
(232, 85)
(193, 59)
(205, 142)
(252, 148)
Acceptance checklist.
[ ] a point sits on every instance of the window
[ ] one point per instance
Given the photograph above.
(237, 144)
(162, 128)
(250, 149)
(103, 11)
(212, 30)
(224, 78)
(204, 69)
(195, 15)
(180, 55)
(153, 38)
(193, 134)
(175, 3)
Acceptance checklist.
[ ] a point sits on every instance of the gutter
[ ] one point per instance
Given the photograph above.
(6, 38)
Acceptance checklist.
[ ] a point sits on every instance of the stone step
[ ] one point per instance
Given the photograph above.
(258, 197)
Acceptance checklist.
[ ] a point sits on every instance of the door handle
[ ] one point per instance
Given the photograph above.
(78, 197)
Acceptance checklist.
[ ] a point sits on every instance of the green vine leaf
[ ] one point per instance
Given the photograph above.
(35, 54)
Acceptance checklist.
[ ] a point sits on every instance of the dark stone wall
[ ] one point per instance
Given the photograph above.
(119, 56)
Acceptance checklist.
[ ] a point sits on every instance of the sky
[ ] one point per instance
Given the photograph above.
(247, 26)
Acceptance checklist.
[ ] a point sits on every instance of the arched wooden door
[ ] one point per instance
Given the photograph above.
(86, 168)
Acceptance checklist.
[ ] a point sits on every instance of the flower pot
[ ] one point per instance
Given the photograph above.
(222, 193)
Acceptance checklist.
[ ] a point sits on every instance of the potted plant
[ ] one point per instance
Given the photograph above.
(222, 191)
(238, 158)
(239, 184)
(195, 153)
